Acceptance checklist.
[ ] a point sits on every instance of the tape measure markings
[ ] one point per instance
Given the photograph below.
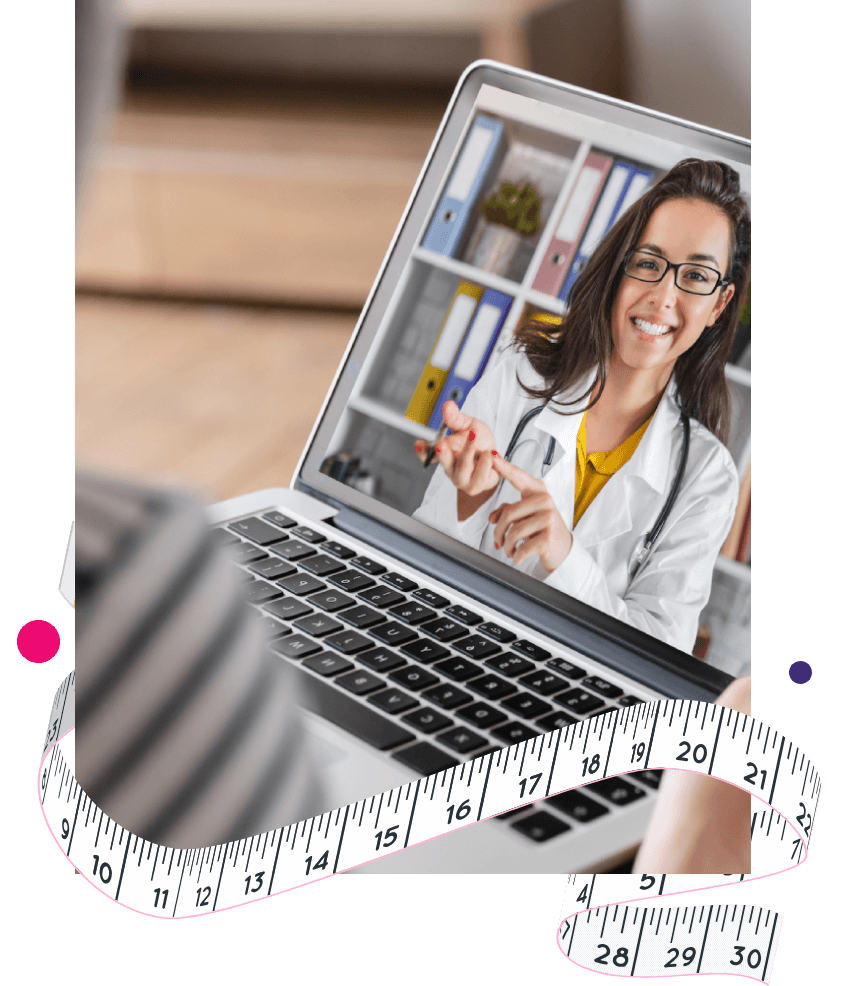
(667, 733)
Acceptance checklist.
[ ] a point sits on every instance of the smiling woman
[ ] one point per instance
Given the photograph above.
(631, 413)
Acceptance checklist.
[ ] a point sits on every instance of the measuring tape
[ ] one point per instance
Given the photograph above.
(596, 930)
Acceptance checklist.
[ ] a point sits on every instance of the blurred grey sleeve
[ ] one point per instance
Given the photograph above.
(188, 729)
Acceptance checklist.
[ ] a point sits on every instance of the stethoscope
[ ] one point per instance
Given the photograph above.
(658, 526)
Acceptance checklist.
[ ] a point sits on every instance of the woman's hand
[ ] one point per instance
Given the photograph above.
(533, 525)
(467, 457)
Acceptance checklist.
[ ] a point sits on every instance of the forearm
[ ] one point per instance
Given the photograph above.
(701, 825)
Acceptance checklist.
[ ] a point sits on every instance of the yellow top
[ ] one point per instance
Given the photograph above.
(593, 471)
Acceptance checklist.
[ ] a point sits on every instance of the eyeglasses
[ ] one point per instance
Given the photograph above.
(691, 278)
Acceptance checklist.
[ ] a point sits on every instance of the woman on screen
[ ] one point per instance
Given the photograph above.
(618, 490)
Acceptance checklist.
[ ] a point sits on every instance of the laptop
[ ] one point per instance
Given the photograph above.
(415, 651)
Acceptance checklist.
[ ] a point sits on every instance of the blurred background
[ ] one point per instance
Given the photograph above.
(246, 191)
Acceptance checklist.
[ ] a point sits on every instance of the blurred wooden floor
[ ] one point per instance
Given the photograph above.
(207, 194)
(217, 398)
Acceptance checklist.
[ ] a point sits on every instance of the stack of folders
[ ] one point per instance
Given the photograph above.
(460, 353)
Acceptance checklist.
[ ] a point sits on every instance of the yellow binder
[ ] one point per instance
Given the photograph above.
(442, 357)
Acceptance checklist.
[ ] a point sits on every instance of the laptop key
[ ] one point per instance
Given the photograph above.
(652, 778)
(629, 700)
(317, 624)
(360, 682)
(578, 806)
(257, 531)
(381, 659)
(432, 598)
(424, 651)
(333, 704)
(481, 714)
(276, 517)
(295, 646)
(224, 537)
(530, 650)
(443, 629)
(414, 678)
(457, 668)
(461, 739)
(287, 608)
(381, 596)
(425, 759)
(293, 550)
(476, 646)
(301, 585)
(492, 687)
(447, 696)
(393, 700)
(340, 550)
(348, 642)
(274, 628)
(579, 701)
(514, 732)
(604, 688)
(244, 553)
(540, 826)
(464, 615)
(351, 581)
(259, 591)
(327, 664)
(556, 720)
(544, 683)
(393, 633)
(362, 616)
(509, 665)
(322, 565)
(331, 601)
(273, 568)
(527, 706)
(616, 790)
(600, 712)
(368, 565)
(308, 534)
(497, 633)
(571, 671)
(412, 613)
(399, 582)
(427, 720)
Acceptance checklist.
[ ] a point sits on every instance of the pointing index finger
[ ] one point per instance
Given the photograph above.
(518, 478)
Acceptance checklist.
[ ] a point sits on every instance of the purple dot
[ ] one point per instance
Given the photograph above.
(800, 672)
(38, 641)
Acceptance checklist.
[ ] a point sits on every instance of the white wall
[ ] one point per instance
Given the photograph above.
(691, 58)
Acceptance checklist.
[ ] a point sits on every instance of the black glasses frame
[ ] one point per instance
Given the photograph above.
(721, 283)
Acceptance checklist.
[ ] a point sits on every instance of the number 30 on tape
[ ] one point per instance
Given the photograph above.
(596, 930)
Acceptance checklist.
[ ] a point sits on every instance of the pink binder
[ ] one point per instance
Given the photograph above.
(563, 245)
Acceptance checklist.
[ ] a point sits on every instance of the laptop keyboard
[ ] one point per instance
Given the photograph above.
(408, 671)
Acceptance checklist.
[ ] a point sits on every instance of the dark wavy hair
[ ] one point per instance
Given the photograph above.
(565, 353)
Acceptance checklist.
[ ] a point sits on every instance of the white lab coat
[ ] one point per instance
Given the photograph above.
(666, 595)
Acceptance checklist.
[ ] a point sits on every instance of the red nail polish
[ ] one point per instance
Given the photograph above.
(472, 436)
(495, 452)
(497, 546)
(437, 448)
(419, 446)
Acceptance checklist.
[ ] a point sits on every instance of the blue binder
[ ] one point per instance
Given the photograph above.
(469, 174)
(613, 202)
(473, 354)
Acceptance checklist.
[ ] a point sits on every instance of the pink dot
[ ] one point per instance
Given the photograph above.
(38, 641)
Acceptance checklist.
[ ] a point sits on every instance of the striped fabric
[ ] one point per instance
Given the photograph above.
(188, 731)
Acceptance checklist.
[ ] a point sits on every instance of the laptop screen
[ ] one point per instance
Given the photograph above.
(528, 278)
